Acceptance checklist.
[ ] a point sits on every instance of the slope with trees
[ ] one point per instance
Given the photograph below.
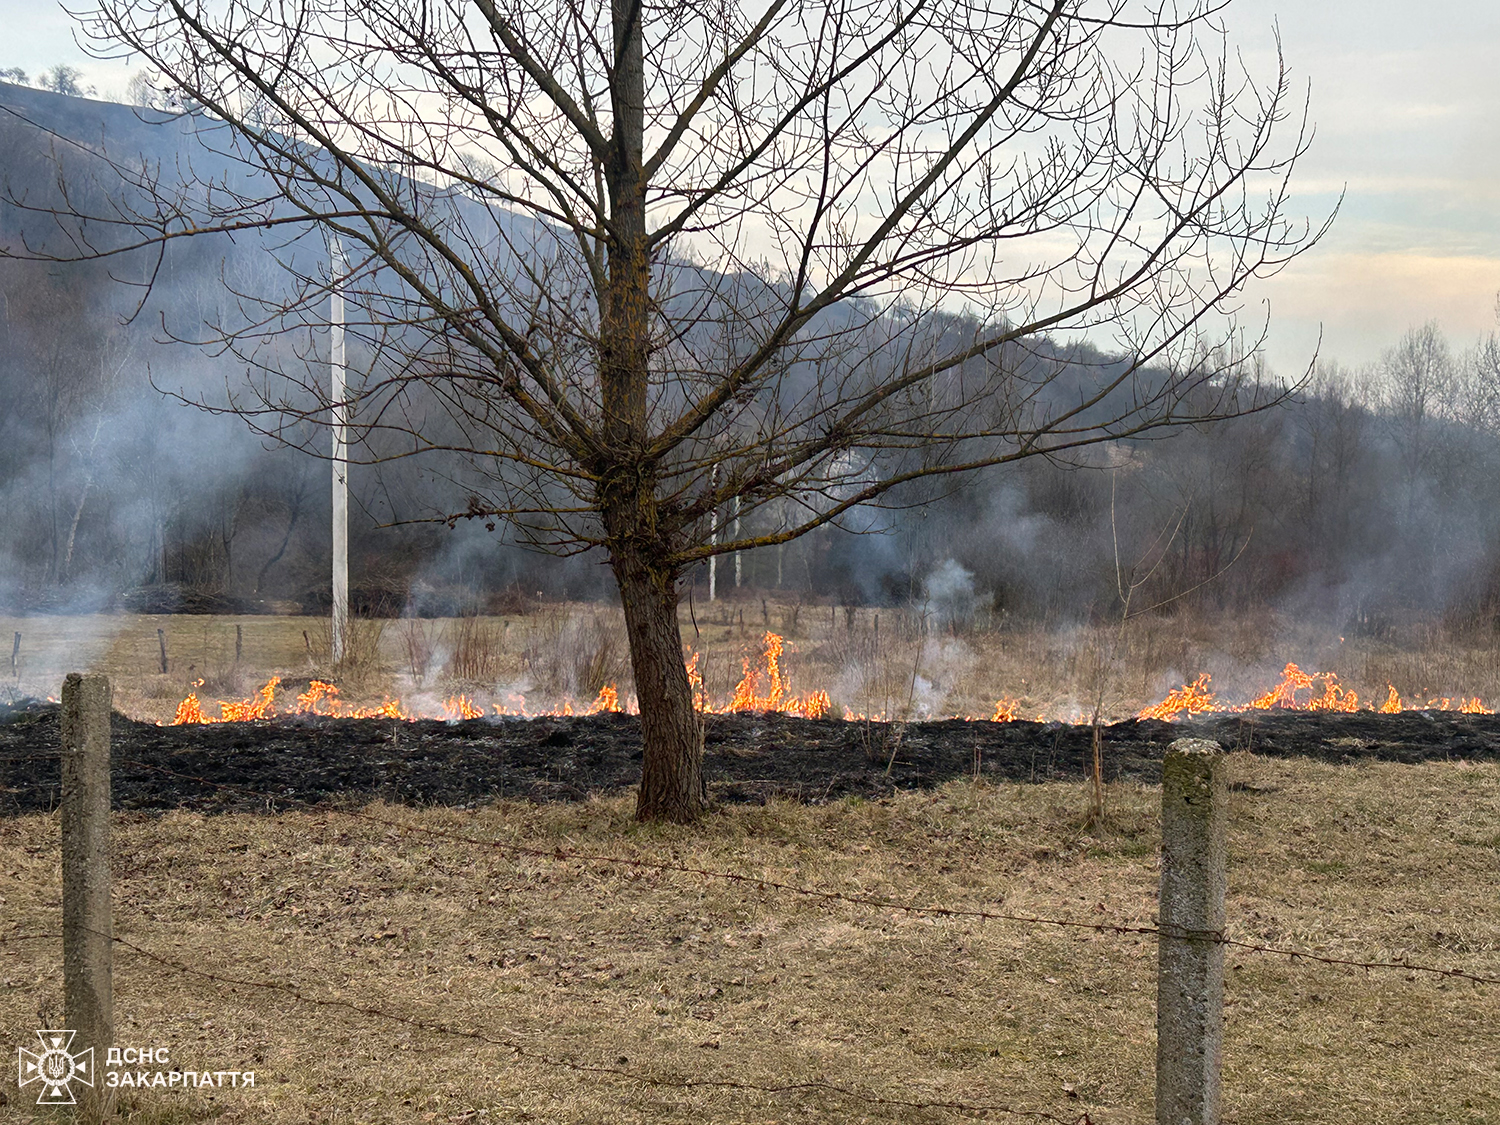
(641, 267)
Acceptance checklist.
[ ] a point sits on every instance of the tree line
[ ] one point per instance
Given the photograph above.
(660, 286)
(1364, 500)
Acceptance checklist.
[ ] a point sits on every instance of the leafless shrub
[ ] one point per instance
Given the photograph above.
(362, 662)
(476, 645)
(220, 680)
(161, 687)
(512, 600)
(790, 624)
(575, 655)
(418, 644)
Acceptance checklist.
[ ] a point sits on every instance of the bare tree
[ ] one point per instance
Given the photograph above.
(639, 268)
(1479, 379)
(1335, 426)
(61, 386)
(1418, 390)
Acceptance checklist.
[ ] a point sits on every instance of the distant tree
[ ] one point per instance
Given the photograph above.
(141, 91)
(63, 79)
(57, 384)
(1479, 376)
(1417, 388)
(1336, 427)
(644, 268)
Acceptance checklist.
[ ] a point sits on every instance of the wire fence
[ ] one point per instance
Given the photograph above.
(531, 1054)
(761, 883)
(315, 995)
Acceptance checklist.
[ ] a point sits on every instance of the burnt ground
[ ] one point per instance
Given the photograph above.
(262, 766)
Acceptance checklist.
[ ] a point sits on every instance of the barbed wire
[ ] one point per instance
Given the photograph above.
(524, 1051)
(7, 938)
(827, 895)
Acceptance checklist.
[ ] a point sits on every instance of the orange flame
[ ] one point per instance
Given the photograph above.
(749, 694)
(189, 711)
(1293, 680)
(1301, 691)
(1189, 699)
(695, 682)
(609, 700)
(322, 698)
(764, 687)
(462, 707)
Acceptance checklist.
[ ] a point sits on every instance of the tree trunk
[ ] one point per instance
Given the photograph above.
(293, 515)
(672, 786)
(671, 731)
(67, 560)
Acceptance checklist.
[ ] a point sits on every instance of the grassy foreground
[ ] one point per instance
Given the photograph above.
(656, 976)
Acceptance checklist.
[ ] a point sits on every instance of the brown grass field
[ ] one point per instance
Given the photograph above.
(578, 991)
(658, 978)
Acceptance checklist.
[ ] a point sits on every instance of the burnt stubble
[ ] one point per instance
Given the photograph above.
(272, 765)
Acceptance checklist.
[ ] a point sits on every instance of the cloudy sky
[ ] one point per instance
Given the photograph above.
(1406, 101)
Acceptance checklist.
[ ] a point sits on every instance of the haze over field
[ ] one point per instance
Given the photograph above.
(1353, 506)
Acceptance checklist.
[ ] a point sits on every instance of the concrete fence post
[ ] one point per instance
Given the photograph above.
(1190, 982)
(88, 928)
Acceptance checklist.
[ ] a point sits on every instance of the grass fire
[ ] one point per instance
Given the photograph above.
(645, 563)
(764, 687)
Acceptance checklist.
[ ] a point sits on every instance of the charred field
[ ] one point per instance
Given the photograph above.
(750, 758)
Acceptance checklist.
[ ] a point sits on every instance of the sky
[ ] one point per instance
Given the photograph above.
(1405, 100)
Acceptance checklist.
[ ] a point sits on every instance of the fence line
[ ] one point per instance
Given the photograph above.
(54, 935)
(868, 901)
(541, 1058)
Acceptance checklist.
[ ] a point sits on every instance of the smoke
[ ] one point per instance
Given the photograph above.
(1356, 510)
(949, 596)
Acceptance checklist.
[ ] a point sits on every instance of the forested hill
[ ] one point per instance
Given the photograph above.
(1368, 499)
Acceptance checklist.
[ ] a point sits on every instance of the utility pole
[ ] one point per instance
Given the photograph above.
(713, 541)
(738, 570)
(340, 407)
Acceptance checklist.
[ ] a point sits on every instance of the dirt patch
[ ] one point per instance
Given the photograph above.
(749, 758)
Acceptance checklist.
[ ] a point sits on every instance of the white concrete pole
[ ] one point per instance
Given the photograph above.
(713, 541)
(738, 567)
(1190, 981)
(340, 407)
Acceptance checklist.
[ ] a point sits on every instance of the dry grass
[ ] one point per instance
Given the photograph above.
(883, 661)
(674, 977)
(575, 654)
